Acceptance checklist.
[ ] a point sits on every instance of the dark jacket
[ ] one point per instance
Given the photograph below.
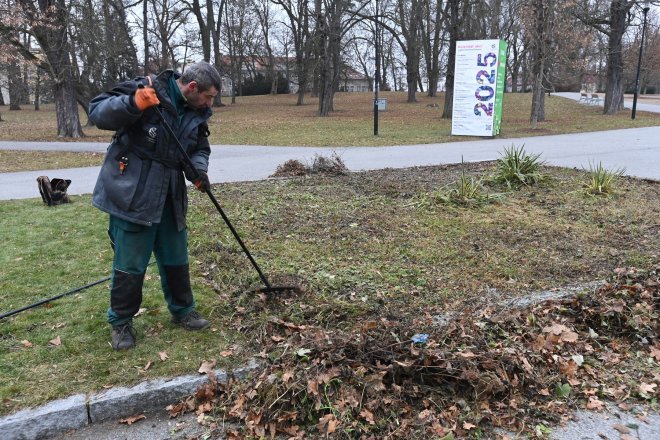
(154, 167)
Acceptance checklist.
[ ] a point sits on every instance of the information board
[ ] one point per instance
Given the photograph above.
(479, 75)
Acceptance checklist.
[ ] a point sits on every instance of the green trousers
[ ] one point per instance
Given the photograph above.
(133, 245)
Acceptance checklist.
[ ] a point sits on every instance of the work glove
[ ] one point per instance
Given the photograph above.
(202, 183)
(145, 97)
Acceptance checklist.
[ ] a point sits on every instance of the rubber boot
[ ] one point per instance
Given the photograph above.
(179, 296)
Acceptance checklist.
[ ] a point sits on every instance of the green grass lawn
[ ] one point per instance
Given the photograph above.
(365, 245)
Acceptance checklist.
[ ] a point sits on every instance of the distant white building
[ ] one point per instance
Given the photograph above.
(350, 80)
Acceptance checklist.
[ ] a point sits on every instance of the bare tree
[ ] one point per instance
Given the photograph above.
(334, 19)
(239, 32)
(410, 13)
(432, 41)
(265, 16)
(454, 21)
(298, 15)
(48, 20)
(612, 20)
(167, 18)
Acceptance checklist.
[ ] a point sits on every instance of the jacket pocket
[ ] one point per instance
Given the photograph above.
(121, 185)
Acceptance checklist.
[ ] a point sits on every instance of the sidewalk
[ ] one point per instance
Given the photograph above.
(638, 150)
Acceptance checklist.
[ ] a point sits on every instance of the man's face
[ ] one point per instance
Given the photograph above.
(196, 99)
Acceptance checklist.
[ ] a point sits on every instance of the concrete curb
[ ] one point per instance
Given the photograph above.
(81, 410)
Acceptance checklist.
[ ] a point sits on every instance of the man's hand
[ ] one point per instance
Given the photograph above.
(202, 183)
(145, 97)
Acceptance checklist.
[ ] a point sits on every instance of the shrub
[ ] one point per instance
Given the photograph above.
(516, 167)
(260, 85)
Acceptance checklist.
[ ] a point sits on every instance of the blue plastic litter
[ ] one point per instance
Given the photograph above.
(420, 338)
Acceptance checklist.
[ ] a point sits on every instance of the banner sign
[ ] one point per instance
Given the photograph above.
(479, 75)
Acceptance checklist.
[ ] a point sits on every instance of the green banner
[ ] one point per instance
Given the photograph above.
(499, 91)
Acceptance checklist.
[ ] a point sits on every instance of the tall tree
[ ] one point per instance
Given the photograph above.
(454, 20)
(410, 13)
(48, 20)
(334, 19)
(541, 19)
(298, 15)
(432, 42)
(266, 18)
(612, 20)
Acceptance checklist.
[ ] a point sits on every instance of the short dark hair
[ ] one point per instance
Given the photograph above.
(204, 73)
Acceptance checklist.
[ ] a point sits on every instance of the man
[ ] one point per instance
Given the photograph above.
(141, 185)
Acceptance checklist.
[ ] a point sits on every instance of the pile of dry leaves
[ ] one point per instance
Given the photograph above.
(333, 166)
(484, 371)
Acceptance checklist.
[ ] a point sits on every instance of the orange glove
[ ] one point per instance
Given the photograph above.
(145, 97)
(202, 183)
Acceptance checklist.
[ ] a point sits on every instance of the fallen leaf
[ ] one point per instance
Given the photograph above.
(555, 329)
(595, 404)
(140, 311)
(569, 336)
(226, 353)
(468, 426)
(287, 376)
(622, 429)
(163, 355)
(568, 369)
(149, 364)
(328, 424)
(26, 343)
(368, 416)
(133, 419)
(647, 388)
(56, 342)
(207, 366)
(655, 353)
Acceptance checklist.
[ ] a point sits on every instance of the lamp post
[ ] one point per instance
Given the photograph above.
(377, 76)
(645, 8)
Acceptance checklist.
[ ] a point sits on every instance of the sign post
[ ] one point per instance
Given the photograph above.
(479, 76)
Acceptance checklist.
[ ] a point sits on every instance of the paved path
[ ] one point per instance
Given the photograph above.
(638, 150)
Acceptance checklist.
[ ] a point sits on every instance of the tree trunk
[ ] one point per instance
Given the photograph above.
(614, 89)
(542, 15)
(37, 91)
(454, 35)
(217, 56)
(53, 38)
(16, 86)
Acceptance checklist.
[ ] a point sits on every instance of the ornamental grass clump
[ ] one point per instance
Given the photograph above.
(468, 191)
(517, 168)
(602, 181)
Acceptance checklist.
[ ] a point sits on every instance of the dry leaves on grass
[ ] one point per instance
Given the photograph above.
(207, 366)
(55, 342)
(514, 369)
